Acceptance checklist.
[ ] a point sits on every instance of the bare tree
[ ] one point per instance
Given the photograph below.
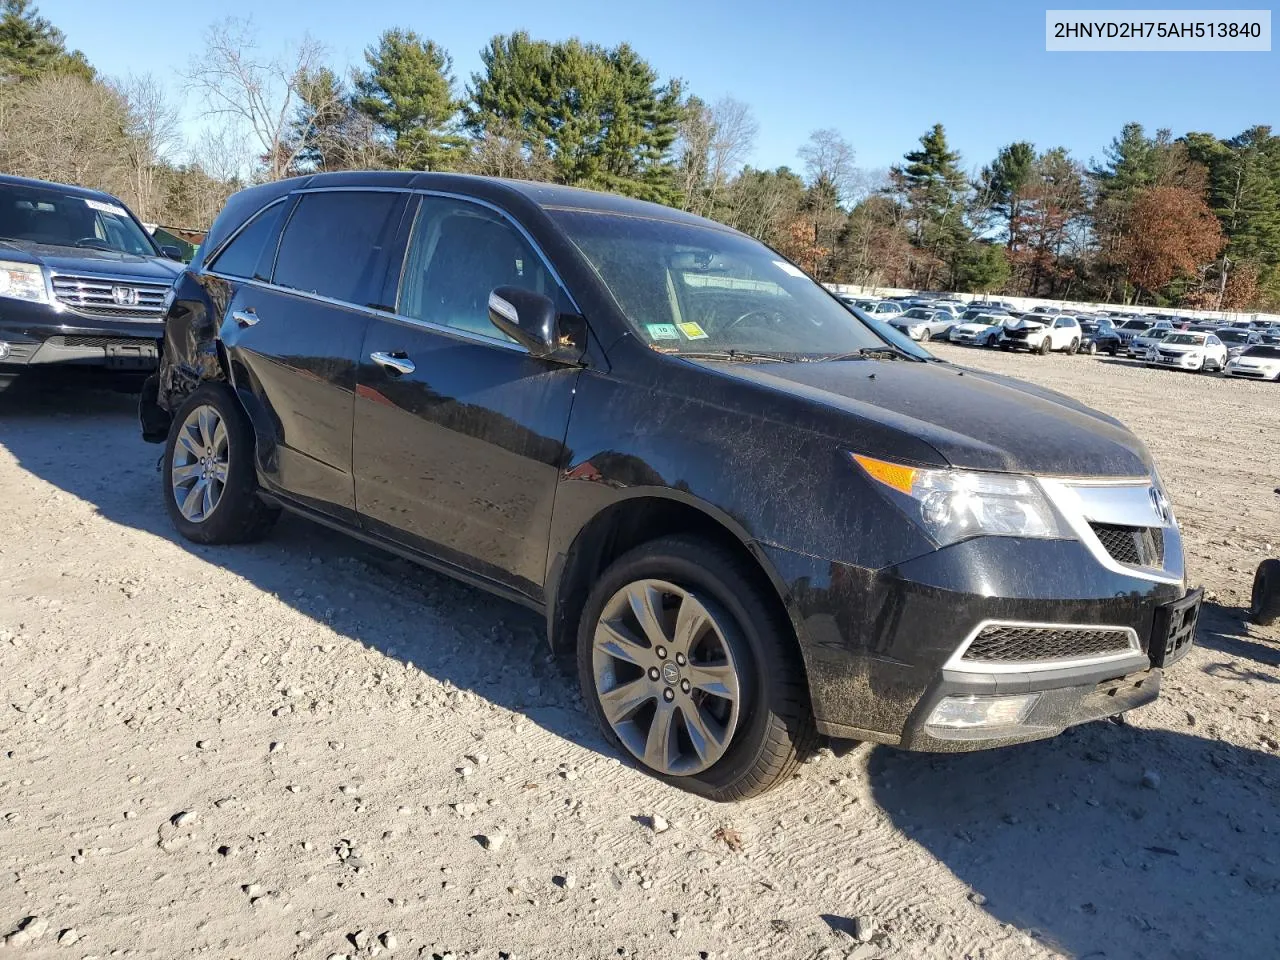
(501, 151)
(151, 136)
(828, 159)
(256, 94)
(66, 129)
(713, 143)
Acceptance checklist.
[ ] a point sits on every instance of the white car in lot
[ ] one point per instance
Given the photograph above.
(1042, 333)
(881, 309)
(982, 330)
(1184, 350)
(924, 323)
(1258, 362)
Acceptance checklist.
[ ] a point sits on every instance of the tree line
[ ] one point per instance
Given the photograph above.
(1192, 220)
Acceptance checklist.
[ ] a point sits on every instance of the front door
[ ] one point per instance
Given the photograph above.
(294, 337)
(459, 432)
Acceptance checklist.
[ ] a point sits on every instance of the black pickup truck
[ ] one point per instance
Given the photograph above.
(82, 283)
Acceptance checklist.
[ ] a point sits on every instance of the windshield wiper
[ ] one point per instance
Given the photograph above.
(887, 352)
(742, 356)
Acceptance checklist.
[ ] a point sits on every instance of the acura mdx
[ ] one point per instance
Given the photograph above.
(752, 516)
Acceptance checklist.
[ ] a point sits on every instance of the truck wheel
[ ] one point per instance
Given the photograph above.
(208, 480)
(1045, 346)
(687, 666)
(1264, 606)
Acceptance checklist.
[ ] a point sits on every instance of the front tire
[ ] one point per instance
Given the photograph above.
(1073, 348)
(686, 665)
(1091, 349)
(1045, 346)
(1264, 606)
(208, 480)
(924, 336)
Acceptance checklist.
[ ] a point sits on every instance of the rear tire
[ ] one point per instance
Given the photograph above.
(1264, 606)
(208, 480)
(761, 729)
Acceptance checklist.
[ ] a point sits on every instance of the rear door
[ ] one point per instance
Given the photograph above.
(459, 432)
(294, 337)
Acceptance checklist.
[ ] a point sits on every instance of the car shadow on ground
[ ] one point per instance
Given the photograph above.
(87, 443)
(1225, 630)
(1103, 834)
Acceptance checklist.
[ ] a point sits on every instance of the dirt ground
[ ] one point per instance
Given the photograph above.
(306, 749)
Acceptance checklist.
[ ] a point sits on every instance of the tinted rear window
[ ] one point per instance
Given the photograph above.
(241, 256)
(334, 244)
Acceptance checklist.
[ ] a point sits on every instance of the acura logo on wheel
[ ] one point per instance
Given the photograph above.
(670, 672)
(124, 296)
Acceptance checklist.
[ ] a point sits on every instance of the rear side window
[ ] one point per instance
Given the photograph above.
(241, 257)
(335, 244)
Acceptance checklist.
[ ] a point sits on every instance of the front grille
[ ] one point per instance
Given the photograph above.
(97, 297)
(1135, 546)
(1010, 644)
(77, 341)
(1017, 334)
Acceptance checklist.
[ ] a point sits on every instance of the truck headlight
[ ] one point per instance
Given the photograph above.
(22, 281)
(954, 505)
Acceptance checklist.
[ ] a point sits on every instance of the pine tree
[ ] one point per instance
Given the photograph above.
(407, 91)
(30, 45)
(935, 193)
(1001, 185)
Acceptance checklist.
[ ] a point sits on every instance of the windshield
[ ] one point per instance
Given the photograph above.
(1184, 340)
(1262, 352)
(1135, 325)
(49, 215)
(686, 288)
(1233, 336)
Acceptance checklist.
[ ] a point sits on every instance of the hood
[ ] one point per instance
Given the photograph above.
(75, 260)
(1180, 347)
(974, 327)
(1025, 323)
(973, 420)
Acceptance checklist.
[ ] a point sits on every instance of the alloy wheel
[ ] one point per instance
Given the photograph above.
(666, 677)
(201, 458)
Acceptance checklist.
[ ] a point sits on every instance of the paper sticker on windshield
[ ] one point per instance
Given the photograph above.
(106, 207)
(788, 269)
(662, 331)
(693, 331)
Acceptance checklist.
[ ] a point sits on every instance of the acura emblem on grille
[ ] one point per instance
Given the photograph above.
(124, 296)
(1161, 503)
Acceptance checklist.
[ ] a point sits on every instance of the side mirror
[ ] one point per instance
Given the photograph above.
(527, 317)
(173, 253)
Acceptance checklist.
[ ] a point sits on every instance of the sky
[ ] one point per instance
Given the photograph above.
(880, 73)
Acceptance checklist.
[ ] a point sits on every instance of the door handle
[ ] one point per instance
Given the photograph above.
(393, 363)
(245, 318)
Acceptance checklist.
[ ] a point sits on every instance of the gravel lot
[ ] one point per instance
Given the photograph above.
(306, 749)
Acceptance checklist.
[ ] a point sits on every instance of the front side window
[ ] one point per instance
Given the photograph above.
(689, 288)
(459, 252)
(335, 242)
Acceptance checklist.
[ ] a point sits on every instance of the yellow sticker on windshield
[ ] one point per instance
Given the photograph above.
(692, 330)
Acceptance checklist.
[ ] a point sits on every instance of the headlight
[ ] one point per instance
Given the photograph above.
(22, 281)
(953, 505)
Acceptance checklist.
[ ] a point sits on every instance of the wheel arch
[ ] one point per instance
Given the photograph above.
(638, 517)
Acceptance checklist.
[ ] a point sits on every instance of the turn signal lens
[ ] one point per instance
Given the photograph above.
(890, 474)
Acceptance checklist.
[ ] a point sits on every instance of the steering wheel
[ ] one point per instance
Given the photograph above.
(770, 315)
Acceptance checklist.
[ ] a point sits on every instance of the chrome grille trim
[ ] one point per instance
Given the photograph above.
(1128, 657)
(92, 296)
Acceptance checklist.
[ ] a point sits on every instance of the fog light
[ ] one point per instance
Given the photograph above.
(960, 712)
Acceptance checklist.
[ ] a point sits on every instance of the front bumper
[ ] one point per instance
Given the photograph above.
(40, 336)
(880, 646)
(1252, 373)
(1180, 362)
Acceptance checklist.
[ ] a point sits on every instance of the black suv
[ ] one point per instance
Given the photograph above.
(751, 515)
(81, 281)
